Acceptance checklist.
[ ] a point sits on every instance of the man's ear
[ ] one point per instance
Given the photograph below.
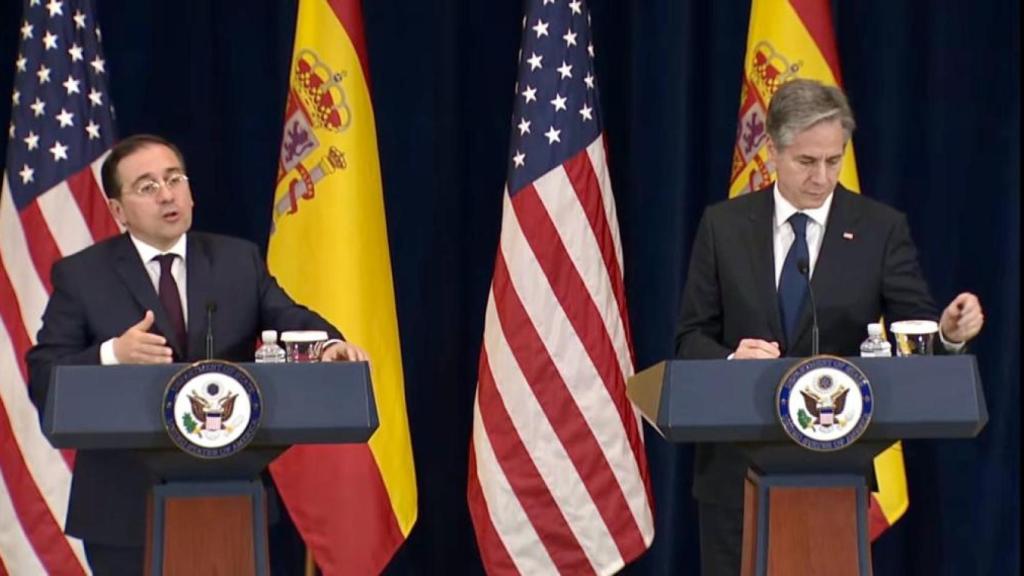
(772, 152)
(117, 210)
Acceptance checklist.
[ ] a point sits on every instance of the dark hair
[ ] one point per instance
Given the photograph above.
(111, 183)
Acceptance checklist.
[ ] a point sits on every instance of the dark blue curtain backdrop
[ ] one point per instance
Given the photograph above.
(935, 86)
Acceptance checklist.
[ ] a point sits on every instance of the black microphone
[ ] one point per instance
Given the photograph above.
(805, 271)
(211, 307)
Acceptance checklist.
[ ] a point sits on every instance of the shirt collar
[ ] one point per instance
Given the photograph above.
(783, 209)
(147, 252)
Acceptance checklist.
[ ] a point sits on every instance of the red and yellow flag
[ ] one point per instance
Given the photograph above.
(789, 39)
(353, 505)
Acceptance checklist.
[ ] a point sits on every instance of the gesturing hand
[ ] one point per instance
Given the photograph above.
(138, 346)
(962, 319)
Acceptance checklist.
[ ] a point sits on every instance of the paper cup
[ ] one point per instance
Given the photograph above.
(303, 345)
(914, 337)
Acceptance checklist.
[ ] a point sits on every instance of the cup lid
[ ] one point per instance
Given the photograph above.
(914, 327)
(303, 336)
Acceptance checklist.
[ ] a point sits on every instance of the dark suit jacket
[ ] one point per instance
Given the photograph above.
(730, 294)
(101, 291)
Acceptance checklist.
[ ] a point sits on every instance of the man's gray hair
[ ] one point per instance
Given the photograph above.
(802, 103)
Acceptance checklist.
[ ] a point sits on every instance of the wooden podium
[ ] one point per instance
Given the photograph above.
(207, 516)
(806, 512)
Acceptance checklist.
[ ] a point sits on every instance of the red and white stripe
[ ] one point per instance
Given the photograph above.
(558, 476)
(35, 478)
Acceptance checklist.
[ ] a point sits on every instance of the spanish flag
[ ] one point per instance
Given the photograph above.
(354, 505)
(789, 39)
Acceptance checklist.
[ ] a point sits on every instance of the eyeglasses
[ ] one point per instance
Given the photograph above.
(149, 187)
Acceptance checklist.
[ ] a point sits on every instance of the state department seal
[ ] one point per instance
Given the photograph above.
(824, 403)
(212, 409)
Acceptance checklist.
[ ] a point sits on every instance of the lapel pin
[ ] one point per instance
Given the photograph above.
(847, 235)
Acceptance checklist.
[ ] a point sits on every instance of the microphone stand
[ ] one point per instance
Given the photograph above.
(805, 271)
(211, 307)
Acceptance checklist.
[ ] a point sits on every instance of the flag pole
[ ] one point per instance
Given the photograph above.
(310, 564)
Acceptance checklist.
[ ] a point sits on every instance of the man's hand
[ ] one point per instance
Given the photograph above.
(962, 319)
(340, 351)
(138, 346)
(755, 348)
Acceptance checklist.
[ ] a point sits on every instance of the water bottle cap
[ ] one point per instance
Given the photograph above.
(268, 336)
(874, 329)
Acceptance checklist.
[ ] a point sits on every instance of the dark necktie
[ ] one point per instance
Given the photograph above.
(171, 300)
(792, 284)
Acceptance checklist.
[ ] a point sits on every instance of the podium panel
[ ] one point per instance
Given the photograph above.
(804, 511)
(207, 516)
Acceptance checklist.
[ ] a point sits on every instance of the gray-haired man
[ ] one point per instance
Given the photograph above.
(744, 298)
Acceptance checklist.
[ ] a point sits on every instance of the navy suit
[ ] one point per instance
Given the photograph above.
(99, 293)
(867, 267)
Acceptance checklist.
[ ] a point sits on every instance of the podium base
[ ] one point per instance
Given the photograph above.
(199, 528)
(805, 524)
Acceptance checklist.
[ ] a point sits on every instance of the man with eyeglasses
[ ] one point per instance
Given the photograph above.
(142, 298)
(746, 290)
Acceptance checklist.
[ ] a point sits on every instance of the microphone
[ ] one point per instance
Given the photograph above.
(211, 307)
(805, 271)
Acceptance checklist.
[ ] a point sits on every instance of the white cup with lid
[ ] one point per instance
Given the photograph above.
(303, 345)
(914, 337)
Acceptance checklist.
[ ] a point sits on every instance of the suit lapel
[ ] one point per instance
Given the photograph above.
(762, 256)
(200, 294)
(133, 273)
(828, 267)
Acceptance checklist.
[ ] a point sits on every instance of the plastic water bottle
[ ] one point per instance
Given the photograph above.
(875, 346)
(269, 351)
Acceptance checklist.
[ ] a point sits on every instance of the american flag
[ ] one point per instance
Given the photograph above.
(51, 205)
(558, 479)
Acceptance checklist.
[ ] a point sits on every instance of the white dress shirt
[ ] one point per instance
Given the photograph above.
(147, 254)
(782, 232)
